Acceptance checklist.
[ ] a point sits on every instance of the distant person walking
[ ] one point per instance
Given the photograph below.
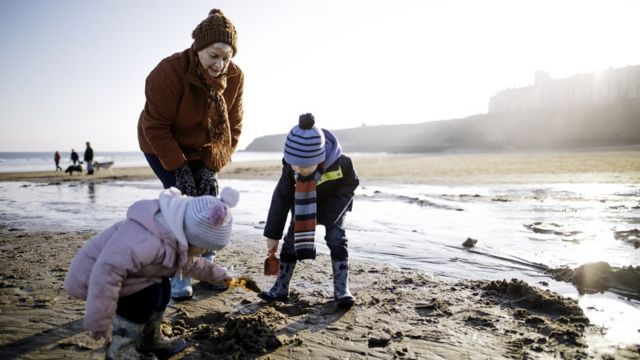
(192, 118)
(88, 158)
(56, 158)
(74, 157)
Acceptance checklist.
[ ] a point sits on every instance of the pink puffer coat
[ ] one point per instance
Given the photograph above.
(126, 258)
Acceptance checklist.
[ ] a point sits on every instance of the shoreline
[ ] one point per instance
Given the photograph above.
(398, 313)
(438, 169)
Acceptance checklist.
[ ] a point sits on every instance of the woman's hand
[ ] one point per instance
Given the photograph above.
(208, 182)
(184, 180)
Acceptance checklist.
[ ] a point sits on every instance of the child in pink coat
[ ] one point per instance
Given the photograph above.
(123, 273)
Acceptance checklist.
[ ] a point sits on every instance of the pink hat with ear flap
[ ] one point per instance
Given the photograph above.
(208, 219)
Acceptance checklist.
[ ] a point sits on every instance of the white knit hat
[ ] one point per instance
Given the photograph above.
(203, 221)
(208, 220)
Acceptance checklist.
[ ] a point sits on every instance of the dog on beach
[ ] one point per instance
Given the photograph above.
(72, 168)
(106, 165)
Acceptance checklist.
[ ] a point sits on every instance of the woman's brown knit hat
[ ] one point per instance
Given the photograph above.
(215, 28)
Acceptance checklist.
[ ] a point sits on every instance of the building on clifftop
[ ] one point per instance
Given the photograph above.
(599, 88)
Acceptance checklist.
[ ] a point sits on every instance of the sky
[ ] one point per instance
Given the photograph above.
(74, 70)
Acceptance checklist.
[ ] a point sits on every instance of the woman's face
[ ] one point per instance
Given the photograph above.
(215, 58)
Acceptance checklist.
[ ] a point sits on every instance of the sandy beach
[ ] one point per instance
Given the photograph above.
(398, 313)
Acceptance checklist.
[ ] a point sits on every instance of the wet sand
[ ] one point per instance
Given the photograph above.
(398, 314)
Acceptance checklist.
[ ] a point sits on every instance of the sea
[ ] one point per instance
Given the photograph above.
(519, 228)
(43, 161)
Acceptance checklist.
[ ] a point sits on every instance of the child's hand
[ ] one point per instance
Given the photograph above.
(272, 246)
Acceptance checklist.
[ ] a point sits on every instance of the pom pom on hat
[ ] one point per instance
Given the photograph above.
(304, 145)
(306, 121)
(219, 214)
(230, 196)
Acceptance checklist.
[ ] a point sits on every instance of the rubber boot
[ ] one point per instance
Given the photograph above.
(124, 342)
(181, 287)
(341, 292)
(280, 290)
(152, 340)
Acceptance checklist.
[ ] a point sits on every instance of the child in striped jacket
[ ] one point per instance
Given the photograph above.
(317, 186)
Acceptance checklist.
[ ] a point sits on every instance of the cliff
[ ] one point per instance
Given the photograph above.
(566, 128)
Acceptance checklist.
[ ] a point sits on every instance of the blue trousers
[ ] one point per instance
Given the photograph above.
(335, 237)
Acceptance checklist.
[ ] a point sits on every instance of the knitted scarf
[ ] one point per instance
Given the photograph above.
(218, 120)
(305, 217)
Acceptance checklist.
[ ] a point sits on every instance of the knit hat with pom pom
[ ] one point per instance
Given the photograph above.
(207, 220)
(304, 146)
(216, 28)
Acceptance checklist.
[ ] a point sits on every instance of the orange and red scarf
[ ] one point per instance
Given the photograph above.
(218, 120)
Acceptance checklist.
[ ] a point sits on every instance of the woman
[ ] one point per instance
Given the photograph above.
(192, 118)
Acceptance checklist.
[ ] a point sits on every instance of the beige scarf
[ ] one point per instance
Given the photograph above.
(218, 120)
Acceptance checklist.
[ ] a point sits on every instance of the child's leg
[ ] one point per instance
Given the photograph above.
(133, 313)
(166, 295)
(280, 290)
(152, 340)
(337, 242)
(139, 306)
(336, 238)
